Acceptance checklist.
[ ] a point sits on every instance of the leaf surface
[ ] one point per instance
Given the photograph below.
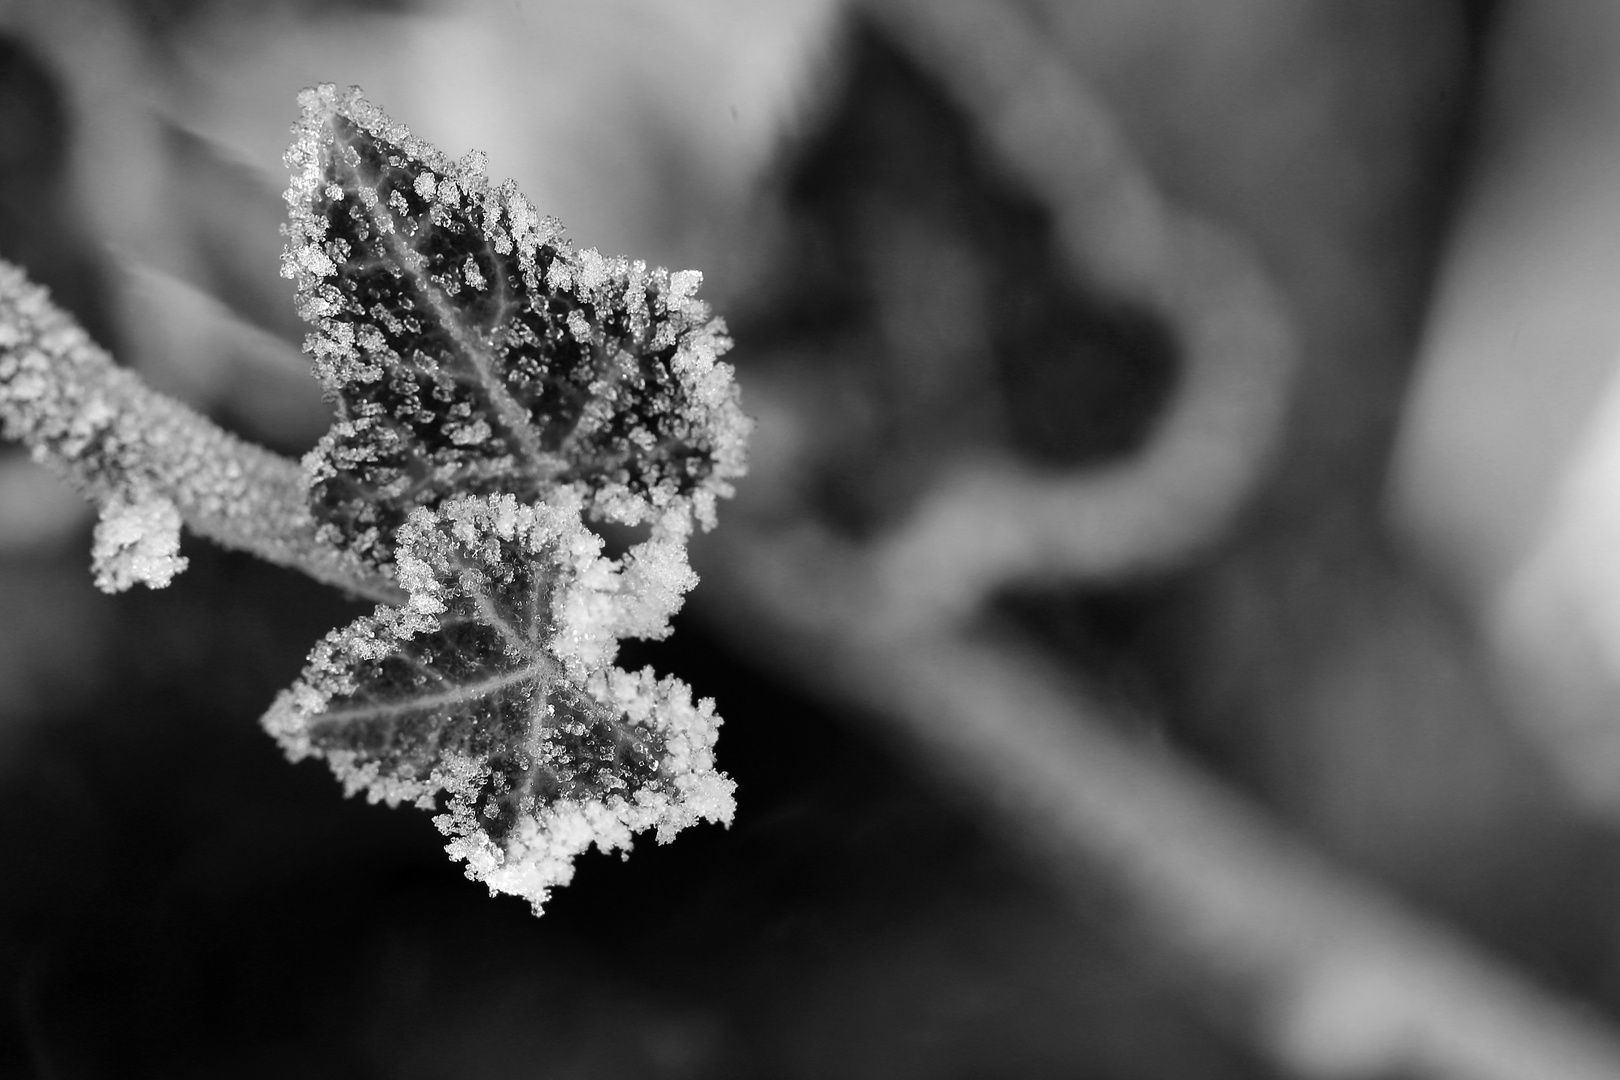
(493, 692)
(495, 390)
(471, 350)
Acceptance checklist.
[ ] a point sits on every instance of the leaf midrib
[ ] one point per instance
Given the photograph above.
(478, 356)
(539, 669)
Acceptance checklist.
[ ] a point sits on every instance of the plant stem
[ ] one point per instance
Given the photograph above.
(112, 437)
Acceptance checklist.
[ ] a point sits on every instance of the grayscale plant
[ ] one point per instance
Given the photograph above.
(498, 394)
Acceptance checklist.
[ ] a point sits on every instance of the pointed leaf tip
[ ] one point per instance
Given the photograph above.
(470, 349)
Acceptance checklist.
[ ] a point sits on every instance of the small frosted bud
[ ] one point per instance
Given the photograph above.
(137, 540)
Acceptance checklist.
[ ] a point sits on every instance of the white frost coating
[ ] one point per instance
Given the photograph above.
(539, 855)
(458, 559)
(137, 541)
(122, 444)
(660, 306)
(657, 573)
(491, 694)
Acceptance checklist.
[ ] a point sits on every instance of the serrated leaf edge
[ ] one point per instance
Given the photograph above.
(601, 601)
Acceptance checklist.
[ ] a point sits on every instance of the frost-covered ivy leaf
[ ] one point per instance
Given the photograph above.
(493, 690)
(470, 349)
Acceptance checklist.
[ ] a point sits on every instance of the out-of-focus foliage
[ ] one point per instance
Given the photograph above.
(1506, 471)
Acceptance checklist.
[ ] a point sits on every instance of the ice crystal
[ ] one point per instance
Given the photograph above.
(493, 689)
(470, 349)
(137, 540)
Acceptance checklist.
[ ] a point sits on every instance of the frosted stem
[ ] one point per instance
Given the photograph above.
(123, 444)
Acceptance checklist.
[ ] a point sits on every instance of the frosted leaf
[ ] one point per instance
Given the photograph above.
(492, 692)
(137, 540)
(470, 349)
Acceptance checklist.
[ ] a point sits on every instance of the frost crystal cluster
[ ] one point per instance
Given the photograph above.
(472, 351)
(495, 389)
(494, 684)
(497, 394)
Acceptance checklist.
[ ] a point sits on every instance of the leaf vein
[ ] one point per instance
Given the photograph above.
(536, 669)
